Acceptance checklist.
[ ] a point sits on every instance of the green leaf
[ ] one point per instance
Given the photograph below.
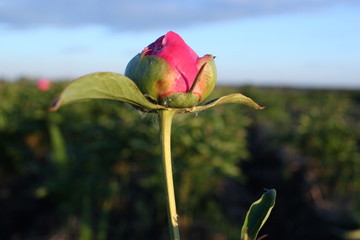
(231, 98)
(104, 85)
(257, 215)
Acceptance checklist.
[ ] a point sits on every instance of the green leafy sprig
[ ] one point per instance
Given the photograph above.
(107, 85)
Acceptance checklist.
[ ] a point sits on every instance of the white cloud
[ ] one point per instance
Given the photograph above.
(143, 14)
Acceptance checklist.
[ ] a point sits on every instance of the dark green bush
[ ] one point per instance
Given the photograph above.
(93, 170)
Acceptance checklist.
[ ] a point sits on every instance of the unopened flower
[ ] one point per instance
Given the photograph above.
(43, 84)
(170, 73)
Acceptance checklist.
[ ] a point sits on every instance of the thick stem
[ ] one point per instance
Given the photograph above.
(165, 117)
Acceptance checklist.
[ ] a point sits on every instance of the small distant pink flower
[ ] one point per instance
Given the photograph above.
(43, 84)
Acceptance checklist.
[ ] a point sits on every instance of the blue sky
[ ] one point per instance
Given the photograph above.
(259, 42)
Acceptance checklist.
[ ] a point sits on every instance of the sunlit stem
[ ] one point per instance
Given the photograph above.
(197, 78)
(165, 117)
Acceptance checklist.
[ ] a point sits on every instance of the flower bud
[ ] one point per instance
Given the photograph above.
(170, 73)
(43, 84)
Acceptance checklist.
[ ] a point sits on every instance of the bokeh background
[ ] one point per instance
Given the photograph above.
(92, 170)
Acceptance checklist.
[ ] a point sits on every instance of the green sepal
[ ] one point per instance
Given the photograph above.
(180, 100)
(231, 98)
(257, 215)
(151, 74)
(104, 85)
(208, 76)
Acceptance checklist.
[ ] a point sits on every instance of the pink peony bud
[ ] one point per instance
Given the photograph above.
(43, 84)
(169, 72)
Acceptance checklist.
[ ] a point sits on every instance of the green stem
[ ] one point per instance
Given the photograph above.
(165, 117)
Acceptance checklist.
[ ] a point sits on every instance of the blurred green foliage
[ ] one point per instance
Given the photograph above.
(93, 170)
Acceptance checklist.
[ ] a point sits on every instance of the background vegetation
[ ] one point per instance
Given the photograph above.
(93, 170)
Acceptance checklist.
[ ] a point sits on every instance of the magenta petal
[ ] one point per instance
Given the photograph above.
(179, 55)
(154, 48)
(173, 49)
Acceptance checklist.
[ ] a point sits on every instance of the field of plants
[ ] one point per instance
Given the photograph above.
(93, 170)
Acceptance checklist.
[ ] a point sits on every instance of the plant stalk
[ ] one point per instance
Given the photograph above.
(165, 118)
